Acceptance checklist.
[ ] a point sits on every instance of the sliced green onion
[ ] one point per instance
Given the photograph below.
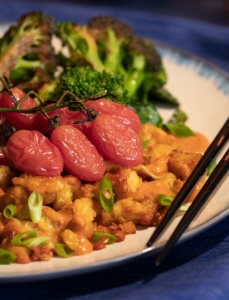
(164, 199)
(211, 167)
(106, 194)
(30, 239)
(20, 239)
(63, 250)
(167, 200)
(6, 257)
(9, 211)
(184, 207)
(178, 129)
(145, 144)
(35, 206)
(37, 241)
(111, 239)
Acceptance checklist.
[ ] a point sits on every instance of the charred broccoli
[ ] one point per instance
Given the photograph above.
(108, 44)
(111, 36)
(103, 55)
(81, 44)
(144, 70)
(26, 53)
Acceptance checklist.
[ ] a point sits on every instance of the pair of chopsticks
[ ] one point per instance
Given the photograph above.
(212, 182)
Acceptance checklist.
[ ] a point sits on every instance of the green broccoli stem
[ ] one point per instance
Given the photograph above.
(135, 74)
(28, 64)
(133, 82)
(24, 70)
(113, 59)
(80, 42)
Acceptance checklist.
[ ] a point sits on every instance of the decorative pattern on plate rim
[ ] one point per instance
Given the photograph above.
(202, 68)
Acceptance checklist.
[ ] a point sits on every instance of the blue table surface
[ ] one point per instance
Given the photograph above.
(195, 269)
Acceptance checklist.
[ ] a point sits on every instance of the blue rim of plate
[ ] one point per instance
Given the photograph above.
(205, 69)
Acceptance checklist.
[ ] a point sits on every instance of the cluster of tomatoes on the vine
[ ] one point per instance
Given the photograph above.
(80, 148)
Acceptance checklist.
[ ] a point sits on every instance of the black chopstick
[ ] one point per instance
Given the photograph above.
(200, 168)
(211, 184)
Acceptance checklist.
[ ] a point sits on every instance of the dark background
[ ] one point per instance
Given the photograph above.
(211, 11)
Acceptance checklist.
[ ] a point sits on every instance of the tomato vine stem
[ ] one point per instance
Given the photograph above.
(76, 103)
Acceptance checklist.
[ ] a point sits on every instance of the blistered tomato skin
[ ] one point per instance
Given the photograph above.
(116, 141)
(19, 120)
(32, 152)
(81, 158)
(108, 107)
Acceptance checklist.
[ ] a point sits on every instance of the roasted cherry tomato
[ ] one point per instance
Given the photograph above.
(116, 141)
(81, 158)
(108, 107)
(66, 116)
(19, 120)
(32, 152)
(84, 127)
(44, 123)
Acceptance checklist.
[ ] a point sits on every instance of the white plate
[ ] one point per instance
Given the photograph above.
(203, 92)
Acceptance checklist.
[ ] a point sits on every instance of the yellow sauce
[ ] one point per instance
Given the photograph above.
(196, 143)
(84, 246)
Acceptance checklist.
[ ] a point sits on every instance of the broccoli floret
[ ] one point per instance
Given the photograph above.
(98, 44)
(26, 53)
(85, 82)
(134, 57)
(111, 36)
(108, 44)
(144, 70)
(81, 44)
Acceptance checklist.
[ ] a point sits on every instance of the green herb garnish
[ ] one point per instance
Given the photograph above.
(111, 239)
(178, 129)
(63, 250)
(6, 257)
(211, 167)
(9, 211)
(106, 194)
(35, 206)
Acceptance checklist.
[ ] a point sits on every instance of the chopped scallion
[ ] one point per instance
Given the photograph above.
(63, 250)
(167, 200)
(110, 237)
(184, 207)
(37, 241)
(106, 194)
(164, 199)
(35, 206)
(211, 167)
(30, 239)
(9, 211)
(21, 238)
(6, 257)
